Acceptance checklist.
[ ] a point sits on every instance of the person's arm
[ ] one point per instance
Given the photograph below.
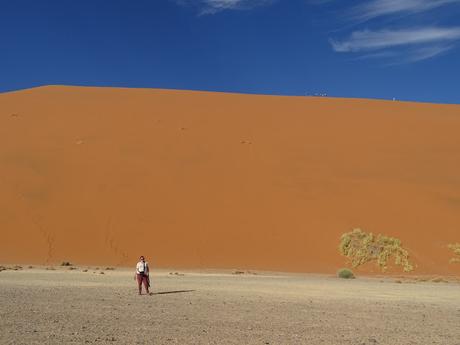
(135, 273)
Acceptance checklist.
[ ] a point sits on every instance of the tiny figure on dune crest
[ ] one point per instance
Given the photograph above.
(142, 275)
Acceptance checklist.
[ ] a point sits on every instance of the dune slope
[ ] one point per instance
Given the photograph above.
(196, 179)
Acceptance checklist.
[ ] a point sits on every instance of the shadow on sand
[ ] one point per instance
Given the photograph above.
(168, 292)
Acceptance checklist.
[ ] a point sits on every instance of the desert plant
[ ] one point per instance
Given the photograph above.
(66, 263)
(362, 247)
(345, 273)
(455, 247)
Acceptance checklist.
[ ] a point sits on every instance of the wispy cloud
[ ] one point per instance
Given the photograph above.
(402, 42)
(378, 8)
(407, 54)
(214, 6)
(424, 53)
(367, 40)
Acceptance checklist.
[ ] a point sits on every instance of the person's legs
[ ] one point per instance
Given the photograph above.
(146, 284)
(140, 278)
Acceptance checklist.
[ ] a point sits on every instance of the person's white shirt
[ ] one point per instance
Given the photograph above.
(142, 267)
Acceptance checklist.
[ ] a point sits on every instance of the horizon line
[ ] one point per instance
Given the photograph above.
(315, 96)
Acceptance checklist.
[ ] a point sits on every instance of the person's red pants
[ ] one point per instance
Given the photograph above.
(143, 279)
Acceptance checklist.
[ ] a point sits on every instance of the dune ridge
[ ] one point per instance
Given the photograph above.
(199, 179)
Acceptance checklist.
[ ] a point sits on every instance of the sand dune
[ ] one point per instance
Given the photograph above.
(196, 179)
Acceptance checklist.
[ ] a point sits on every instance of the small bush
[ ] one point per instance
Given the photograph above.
(66, 263)
(455, 247)
(362, 247)
(345, 273)
(439, 280)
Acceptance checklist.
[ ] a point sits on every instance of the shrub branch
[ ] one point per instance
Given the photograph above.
(455, 247)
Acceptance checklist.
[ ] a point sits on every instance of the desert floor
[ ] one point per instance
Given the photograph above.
(64, 306)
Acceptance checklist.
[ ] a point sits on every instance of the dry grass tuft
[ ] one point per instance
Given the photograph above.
(238, 272)
(345, 273)
(175, 274)
(439, 280)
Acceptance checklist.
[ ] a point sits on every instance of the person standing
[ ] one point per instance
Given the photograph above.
(142, 275)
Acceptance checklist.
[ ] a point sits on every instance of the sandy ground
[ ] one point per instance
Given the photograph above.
(198, 179)
(61, 307)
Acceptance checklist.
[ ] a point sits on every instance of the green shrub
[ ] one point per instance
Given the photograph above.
(456, 249)
(345, 273)
(361, 247)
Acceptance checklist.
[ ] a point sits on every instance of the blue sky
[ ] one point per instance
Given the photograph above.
(407, 49)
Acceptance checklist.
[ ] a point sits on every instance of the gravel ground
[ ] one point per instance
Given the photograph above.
(39, 306)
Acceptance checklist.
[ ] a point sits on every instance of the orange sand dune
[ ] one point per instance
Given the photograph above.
(197, 179)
